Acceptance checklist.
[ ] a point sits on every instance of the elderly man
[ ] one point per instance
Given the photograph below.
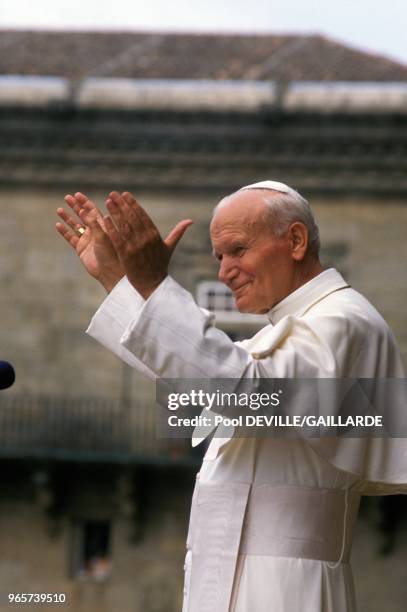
(271, 518)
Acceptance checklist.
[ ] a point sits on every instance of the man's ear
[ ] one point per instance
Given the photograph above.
(298, 236)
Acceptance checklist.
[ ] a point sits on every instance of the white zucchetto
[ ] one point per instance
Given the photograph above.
(273, 185)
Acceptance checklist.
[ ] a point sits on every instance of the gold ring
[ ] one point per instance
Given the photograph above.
(81, 231)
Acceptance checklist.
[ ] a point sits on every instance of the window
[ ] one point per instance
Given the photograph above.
(216, 297)
(92, 558)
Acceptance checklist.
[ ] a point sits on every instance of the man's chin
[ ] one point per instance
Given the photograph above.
(245, 307)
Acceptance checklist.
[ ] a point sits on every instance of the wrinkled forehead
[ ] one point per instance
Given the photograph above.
(242, 211)
(245, 204)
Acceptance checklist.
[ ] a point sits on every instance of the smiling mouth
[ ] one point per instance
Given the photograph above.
(235, 291)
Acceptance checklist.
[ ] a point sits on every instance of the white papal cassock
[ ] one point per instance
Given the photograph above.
(271, 520)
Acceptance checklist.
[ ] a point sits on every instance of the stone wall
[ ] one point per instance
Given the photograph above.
(146, 552)
(146, 571)
(373, 252)
(47, 299)
(46, 303)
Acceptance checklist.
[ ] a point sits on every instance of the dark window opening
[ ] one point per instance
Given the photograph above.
(93, 550)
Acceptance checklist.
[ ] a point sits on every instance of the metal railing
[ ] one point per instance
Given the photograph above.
(85, 428)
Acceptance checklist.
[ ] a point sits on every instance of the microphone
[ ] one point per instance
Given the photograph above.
(7, 375)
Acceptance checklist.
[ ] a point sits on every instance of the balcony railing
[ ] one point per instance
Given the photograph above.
(87, 428)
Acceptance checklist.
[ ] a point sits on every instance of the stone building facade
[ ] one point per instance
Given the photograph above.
(91, 503)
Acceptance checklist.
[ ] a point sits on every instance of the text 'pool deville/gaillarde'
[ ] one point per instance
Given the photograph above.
(277, 420)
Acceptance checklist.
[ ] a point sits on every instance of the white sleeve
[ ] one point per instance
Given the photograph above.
(112, 318)
(175, 338)
(121, 310)
(169, 336)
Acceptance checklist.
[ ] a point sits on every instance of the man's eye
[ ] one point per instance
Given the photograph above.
(239, 251)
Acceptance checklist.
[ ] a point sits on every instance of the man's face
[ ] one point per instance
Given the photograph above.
(256, 265)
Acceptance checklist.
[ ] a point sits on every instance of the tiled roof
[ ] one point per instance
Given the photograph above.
(78, 55)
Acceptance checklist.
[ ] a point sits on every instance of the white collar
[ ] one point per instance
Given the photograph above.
(300, 300)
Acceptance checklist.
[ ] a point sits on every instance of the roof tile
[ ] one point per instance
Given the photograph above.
(78, 55)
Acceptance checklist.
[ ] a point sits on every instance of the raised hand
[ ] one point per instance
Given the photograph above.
(86, 234)
(143, 254)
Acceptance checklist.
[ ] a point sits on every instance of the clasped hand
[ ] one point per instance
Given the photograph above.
(126, 242)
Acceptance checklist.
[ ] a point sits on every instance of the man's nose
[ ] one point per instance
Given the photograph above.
(227, 271)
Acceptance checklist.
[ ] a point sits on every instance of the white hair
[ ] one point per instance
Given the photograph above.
(285, 207)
